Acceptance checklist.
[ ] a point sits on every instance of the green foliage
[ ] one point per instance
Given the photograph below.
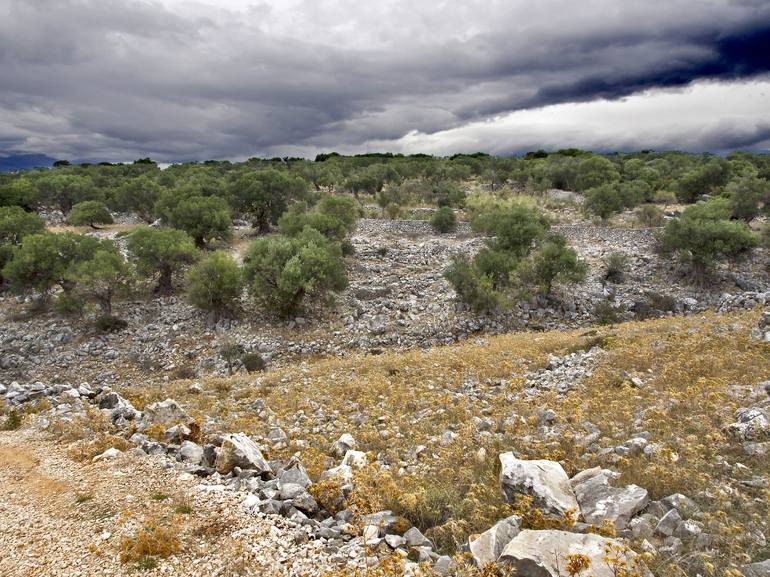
(702, 180)
(334, 216)
(65, 190)
(160, 253)
(214, 283)
(521, 254)
(204, 218)
(702, 236)
(473, 287)
(138, 195)
(253, 362)
(45, 260)
(281, 271)
(103, 276)
(746, 195)
(18, 192)
(595, 171)
(616, 264)
(15, 224)
(604, 201)
(89, 213)
(664, 197)
(605, 313)
(553, 261)
(108, 323)
(444, 220)
(649, 215)
(263, 196)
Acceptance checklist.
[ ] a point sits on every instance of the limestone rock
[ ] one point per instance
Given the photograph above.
(238, 450)
(600, 501)
(545, 481)
(542, 553)
(487, 547)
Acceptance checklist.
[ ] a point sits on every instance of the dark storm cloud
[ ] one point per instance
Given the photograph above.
(116, 80)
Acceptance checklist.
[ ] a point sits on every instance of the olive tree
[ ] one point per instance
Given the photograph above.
(281, 271)
(159, 253)
(103, 276)
(204, 218)
(89, 213)
(263, 196)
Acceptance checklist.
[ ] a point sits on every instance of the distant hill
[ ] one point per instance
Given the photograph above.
(16, 162)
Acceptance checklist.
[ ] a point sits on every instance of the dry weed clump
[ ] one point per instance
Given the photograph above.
(152, 539)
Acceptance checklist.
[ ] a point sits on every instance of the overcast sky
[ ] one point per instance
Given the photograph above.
(181, 80)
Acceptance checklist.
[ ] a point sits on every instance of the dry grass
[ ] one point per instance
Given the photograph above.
(152, 539)
(396, 401)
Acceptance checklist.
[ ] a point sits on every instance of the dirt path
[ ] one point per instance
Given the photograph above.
(60, 517)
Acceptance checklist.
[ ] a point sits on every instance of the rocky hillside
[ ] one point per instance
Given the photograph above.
(628, 449)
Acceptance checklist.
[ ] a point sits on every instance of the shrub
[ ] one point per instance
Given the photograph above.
(604, 201)
(45, 260)
(553, 261)
(699, 241)
(649, 215)
(444, 220)
(282, 271)
(253, 362)
(15, 224)
(69, 304)
(664, 197)
(12, 421)
(334, 216)
(89, 213)
(393, 210)
(160, 253)
(110, 324)
(214, 283)
(746, 193)
(606, 314)
(472, 287)
(596, 171)
(151, 540)
(615, 264)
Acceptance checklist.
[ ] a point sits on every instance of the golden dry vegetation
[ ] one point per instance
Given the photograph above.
(397, 401)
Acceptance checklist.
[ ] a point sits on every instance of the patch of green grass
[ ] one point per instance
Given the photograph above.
(159, 496)
(183, 509)
(83, 498)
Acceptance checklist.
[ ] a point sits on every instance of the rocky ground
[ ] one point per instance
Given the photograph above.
(60, 517)
(397, 298)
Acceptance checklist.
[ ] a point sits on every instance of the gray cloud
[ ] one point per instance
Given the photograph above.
(108, 79)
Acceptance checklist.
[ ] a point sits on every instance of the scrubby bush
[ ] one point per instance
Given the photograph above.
(108, 323)
(444, 220)
(664, 197)
(746, 196)
(605, 313)
(594, 172)
(334, 216)
(700, 238)
(214, 283)
(89, 213)
(43, 261)
(159, 253)
(553, 261)
(281, 271)
(604, 201)
(649, 215)
(253, 362)
(615, 265)
(15, 224)
(474, 288)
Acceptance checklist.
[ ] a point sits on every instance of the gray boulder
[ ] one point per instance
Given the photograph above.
(752, 424)
(238, 450)
(544, 553)
(599, 501)
(487, 547)
(759, 569)
(164, 413)
(545, 481)
(191, 452)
